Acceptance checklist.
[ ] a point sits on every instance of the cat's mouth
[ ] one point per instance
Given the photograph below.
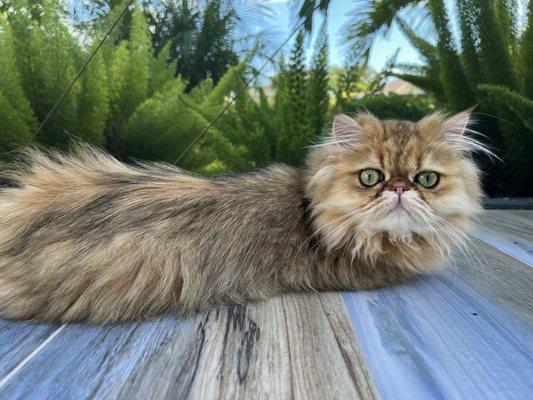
(397, 218)
(398, 207)
(403, 217)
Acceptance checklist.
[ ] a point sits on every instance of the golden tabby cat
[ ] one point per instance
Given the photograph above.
(84, 236)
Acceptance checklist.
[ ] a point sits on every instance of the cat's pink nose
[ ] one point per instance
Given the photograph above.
(400, 189)
(399, 186)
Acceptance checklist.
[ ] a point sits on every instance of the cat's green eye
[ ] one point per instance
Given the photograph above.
(427, 179)
(370, 177)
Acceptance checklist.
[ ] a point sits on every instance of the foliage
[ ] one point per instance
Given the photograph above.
(199, 40)
(318, 97)
(18, 121)
(525, 59)
(281, 116)
(350, 81)
(426, 77)
(159, 114)
(47, 58)
(169, 69)
(452, 76)
(128, 98)
(94, 103)
(468, 11)
(393, 106)
(517, 131)
(369, 20)
(129, 79)
(294, 124)
(494, 47)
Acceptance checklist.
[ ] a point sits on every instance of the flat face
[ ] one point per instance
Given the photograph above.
(395, 177)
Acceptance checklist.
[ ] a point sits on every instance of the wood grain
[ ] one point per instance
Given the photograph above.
(500, 278)
(520, 214)
(509, 231)
(294, 346)
(18, 340)
(436, 338)
(86, 362)
(287, 347)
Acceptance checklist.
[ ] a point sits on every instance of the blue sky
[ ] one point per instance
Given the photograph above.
(282, 21)
(383, 49)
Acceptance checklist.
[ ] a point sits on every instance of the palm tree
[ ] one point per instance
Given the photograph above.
(370, 20)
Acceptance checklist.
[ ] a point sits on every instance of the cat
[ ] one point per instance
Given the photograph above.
(86, 237)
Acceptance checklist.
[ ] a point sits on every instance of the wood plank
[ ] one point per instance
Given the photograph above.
(445, 336)
(499, 277)
(517, 222)
(99, 362)
(18, 340)
(308, 351)
(294, 346)
(521, 214)
(509, 231)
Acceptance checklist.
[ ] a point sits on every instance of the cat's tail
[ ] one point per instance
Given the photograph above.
(74, 239)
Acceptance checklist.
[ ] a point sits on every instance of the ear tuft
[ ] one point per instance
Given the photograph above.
(453, 131)
(458, 124)
(345, 129)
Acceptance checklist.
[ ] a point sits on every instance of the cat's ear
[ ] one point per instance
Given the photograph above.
(453, 131)
(458, 124)
(345, 129)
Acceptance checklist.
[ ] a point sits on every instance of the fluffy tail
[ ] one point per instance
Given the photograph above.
(74, 235)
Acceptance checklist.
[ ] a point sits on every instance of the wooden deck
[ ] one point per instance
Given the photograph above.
(466, 333)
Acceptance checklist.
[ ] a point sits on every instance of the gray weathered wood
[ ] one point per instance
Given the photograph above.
(500, 278)
(509, 231)
(520, 215)
(18, 340)
(86, 362)
(294, 346)
(438, 339)
(287, 347)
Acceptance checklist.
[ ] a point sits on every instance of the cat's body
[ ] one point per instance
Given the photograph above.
(87, 237)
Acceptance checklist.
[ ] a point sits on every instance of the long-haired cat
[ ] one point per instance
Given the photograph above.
(84, 236)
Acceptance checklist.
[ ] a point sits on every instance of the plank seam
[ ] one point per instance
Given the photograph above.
(497, 243)
(361, 360)
(291, 377)
(29, 357)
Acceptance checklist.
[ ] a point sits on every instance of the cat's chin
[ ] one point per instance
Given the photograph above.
(399, 222)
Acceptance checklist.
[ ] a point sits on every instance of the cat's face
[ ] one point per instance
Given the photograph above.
(394, 179)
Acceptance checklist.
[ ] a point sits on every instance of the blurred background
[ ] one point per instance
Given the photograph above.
(219, 85)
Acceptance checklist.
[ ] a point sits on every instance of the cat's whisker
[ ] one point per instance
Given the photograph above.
(457, 244)
(448, 250)
(357, 218)
(473, 250)
(453, 234)
(443, 247)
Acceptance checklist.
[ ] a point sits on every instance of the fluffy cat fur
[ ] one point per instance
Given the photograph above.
(84, 236)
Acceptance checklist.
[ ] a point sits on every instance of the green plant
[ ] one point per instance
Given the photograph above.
(393, 106)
